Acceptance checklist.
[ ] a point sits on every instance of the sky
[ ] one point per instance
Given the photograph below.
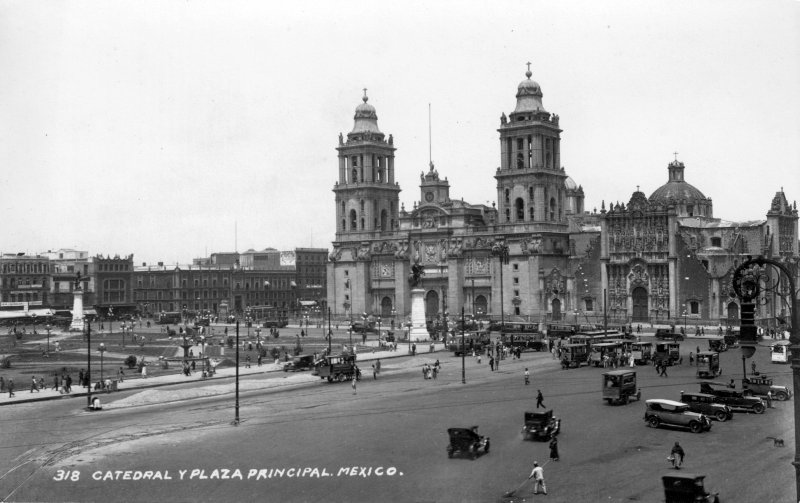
(175, 129)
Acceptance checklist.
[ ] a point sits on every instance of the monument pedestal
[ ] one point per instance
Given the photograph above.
(418, 331)
(78, 323)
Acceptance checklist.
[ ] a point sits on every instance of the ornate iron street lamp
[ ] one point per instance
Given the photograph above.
(101, 349)
(751, 280)
(500, 250)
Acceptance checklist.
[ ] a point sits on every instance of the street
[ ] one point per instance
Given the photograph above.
(321, 442)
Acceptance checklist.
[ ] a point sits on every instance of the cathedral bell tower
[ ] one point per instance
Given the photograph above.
(366, 193)
(530, 181)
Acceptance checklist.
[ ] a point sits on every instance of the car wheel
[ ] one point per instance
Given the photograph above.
(759, 408)
(340, 377)
(653, 422)
(695, 427)
(781, 396)
(721, 416)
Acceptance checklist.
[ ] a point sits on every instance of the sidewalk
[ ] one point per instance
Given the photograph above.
(22, 393)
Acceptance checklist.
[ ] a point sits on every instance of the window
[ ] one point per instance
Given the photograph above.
(716, 241)
(516, 293)
(516, 281)
(694, 307)
(589, 305)
(515, 267)
(520, 207)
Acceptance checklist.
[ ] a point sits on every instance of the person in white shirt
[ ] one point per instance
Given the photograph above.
(537, 474)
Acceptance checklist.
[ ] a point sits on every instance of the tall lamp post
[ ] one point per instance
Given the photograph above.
(752, 278)
(47, 354)
(102, 349)
(685, 314)
(500, 250)
(379, 327)
(89, 364)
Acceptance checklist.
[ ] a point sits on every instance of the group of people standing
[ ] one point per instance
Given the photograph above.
(430, 371)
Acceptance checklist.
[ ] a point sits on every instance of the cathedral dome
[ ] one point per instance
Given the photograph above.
(676, 189)
(570, 184)
(366, 120)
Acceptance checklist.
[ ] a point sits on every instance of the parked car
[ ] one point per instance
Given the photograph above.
(687, 487)
(669, 412)
(705, 404)
(732, 398)
(299, 362)
(466, 441)
(762, 385)
(665, 334)
(540, 425)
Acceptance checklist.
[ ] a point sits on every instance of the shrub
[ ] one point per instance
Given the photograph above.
(130, 361)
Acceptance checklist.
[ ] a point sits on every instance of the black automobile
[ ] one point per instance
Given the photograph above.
(705, 404)
(466, 442)
(540, 425)
(732, 398)
(665, 334)
(687, 487)
(300, 362)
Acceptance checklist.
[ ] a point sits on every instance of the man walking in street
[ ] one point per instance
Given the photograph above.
(539, 399)
(11, 387)
(34, 386)
(663, 370)
(354, 384)
(537, 474)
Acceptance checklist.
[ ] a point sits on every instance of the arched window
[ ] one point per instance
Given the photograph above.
(530, 213)
(519, 204)
(530, 194)
(520, 161)
(508, 196)
(354, 177)
(384, 219)
(362, 206)
(362, 223)
(508, 215)
(353, 220)
(552, 209)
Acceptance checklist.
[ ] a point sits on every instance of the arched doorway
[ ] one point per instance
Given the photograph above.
(639, 297)
(386, 307)
(480, 305)
(733, 314)
(431, 304)
(556, 309)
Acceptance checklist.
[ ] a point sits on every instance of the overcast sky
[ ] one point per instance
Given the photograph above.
(158, 127)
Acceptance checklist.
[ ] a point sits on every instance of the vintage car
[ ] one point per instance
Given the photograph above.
(705, 404)
(717, 345)
(540, 425)
(762, 385)
(665, 334)
(466, 441)
(732, 398)
(299, 362)
(574, 355)
(669, 412)
(687, 487)
(708, 364)
(619, 386)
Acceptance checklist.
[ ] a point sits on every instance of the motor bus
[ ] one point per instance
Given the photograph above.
(642, 352)
(559, 330)
(574, 355)
(601, 350)
(708, 364)
(780, 352)
(169, 318)
(474, 341)
(524, 335)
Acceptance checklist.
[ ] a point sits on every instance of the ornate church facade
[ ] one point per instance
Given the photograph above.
(535, 254)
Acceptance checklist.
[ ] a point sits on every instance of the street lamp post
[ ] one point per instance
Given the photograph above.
(101, 349)
(47, 354)
(500, 250)
(463, 349)
(236, 407)
(685, 314)
(750, 279)
(379, 328)
(89, 364)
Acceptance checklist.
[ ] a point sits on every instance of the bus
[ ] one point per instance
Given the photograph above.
(169, 318)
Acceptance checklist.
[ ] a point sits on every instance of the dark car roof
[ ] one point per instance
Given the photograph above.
(462, 433)
(538, 415)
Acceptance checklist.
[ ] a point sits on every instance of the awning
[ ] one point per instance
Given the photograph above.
(307, 303)
(89, 312)
(26, 314)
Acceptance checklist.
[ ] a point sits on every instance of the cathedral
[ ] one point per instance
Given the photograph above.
(535, 254)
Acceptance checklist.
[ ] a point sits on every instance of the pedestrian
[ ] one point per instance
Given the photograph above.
(497, 362)
(246, 362)
(431, 348)
(55, 382)
(34, 387)
(260, 357)
(539, 399)
(554, 449)
(2, 384)
(144, 370)
(527, 377)
(435, 371)
(11, 387)
(413, 350)
(491, 363)
(424, 371)
(663, 370)
(676, 456)
(374, 372)
(378, 365)
(354, 384)
(108, 385)
(120, 375)
(67, 383)
(537, 474)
